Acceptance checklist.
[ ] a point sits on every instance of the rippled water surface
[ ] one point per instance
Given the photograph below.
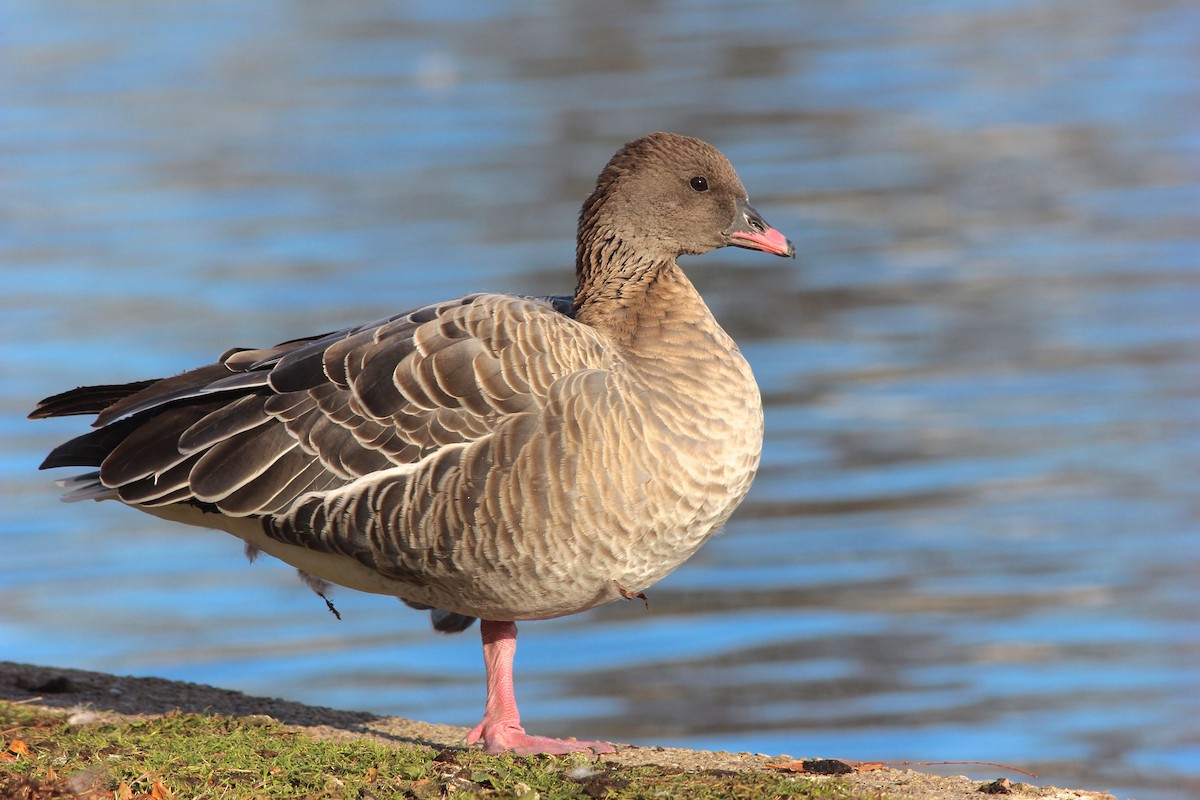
(975, 534)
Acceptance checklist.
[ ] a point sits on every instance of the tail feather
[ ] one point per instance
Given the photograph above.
(86, 487)
(86, 399)
(90, 449)
(119, 409)
(156, 394)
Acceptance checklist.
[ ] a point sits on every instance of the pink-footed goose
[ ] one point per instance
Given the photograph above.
(495, 457)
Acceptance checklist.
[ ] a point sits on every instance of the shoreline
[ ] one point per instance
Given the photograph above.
(110, 698)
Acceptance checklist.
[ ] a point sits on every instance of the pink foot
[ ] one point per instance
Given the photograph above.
(501, 731)
(508, 737)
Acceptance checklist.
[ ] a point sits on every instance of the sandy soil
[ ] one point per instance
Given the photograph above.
(115, 696)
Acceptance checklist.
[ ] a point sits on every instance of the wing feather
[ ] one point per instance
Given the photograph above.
(372, 378)
(151, 447)
(288, 475)
(227, 421)
(193, 383)
(238, 460)
(160, 488)
(317, 432)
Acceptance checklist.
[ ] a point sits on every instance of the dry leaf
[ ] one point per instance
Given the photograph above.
(124, 792)
(18, 747)
(160, 792)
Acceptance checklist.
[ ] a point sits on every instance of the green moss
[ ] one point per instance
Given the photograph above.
(200, 756)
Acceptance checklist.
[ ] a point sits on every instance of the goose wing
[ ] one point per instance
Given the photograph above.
(251, 434)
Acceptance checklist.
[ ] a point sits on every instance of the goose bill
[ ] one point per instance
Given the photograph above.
(751, 231)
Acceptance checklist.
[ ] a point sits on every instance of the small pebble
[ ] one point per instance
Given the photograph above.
(998, 786)
(258, 720)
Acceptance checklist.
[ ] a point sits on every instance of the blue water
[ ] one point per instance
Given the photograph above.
(975, 534)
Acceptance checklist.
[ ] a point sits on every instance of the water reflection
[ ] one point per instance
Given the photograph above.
(974, 534)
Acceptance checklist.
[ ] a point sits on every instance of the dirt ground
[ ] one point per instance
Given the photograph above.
(112, 696)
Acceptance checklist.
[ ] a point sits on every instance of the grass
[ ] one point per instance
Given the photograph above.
(43, 755)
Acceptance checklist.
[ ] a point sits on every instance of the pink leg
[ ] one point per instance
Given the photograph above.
(501, 730)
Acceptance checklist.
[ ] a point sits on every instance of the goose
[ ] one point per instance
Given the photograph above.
(494, 457)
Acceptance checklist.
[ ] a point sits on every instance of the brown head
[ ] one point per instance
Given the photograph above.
(667, 195)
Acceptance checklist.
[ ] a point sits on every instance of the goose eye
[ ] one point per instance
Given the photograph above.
(699, 183)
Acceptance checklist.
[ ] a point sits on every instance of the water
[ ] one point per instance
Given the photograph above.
(975, 533)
